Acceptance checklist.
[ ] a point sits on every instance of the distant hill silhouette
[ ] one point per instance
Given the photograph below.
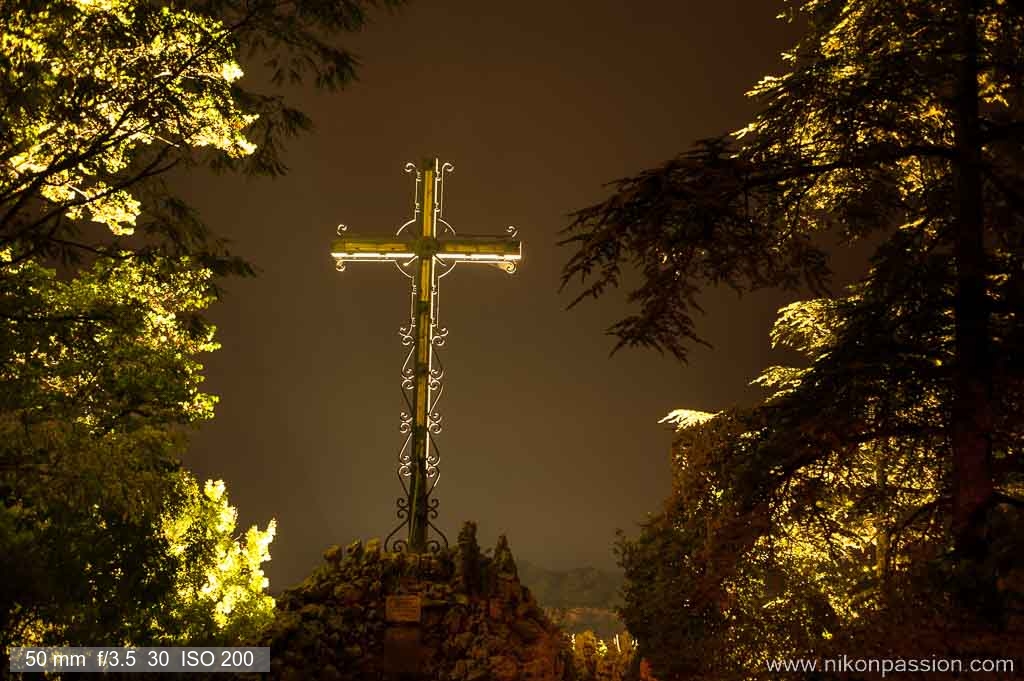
(577, 600)
(577, 588)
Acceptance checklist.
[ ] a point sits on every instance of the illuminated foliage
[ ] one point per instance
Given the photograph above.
(817, 523)
(220, 583)
(100, 373)
(102, 538)
(90, 118)
(858, 137)
(103, 363)
(611, 659)
(99, 364)
(100, 98)
(891, 464)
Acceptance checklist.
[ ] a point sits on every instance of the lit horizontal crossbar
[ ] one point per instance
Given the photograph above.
(459, 249)
(480, 257)
(377, 246)
(373, 256)
(487, 248)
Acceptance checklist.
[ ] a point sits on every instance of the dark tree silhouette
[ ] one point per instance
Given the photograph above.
(899, 120)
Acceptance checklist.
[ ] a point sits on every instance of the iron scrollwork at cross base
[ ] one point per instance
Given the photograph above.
(424, 249)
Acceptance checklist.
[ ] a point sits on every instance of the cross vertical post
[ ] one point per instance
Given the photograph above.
(420, 255)
(419, 519)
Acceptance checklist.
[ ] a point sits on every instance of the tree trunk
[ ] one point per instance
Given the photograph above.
(972, 381)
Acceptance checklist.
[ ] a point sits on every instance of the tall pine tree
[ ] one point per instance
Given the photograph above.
(897, 450)
(899, 120)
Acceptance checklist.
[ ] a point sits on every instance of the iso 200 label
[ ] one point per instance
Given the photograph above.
(151, 659)
(226, 659)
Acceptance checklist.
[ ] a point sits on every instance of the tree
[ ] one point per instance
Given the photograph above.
(101, 374)
(220, 587)
(816, 524)
(180, 579)
(102, 537)
(100, 98)
(897, 120)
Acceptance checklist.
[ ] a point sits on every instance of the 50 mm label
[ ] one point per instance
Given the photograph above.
(149, 659)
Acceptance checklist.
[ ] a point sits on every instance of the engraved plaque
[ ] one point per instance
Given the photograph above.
(402, 609)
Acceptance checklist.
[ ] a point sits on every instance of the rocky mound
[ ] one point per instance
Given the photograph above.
(458, 615)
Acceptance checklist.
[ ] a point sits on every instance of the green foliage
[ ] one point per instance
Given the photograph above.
(873, 500)
(597, 659)
(100, 374)
(685, 225)
(101, 538)
(99, 371)
(99, 97)
(858, 137)
(72, 576)
(298, 42)
(817, 523)
(102, 97)
(220, 586)
(99, 365)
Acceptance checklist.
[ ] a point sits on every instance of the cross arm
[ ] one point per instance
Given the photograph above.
(487, 249)
(501, 251)
(372, 248)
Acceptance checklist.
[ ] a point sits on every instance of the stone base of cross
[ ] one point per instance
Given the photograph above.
(424, 249)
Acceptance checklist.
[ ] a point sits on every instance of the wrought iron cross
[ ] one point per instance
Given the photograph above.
(421, 255)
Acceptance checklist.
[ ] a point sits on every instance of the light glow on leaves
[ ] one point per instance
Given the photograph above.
(147, 79)
(107, 367)
(228, 586)
(684, 418)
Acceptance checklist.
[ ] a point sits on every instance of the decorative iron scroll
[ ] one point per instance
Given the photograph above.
(420, 254)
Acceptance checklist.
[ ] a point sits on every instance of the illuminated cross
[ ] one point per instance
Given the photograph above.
(423, 257)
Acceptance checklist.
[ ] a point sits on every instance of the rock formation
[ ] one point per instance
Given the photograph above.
(458, 615)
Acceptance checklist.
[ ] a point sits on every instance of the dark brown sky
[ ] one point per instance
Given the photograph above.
(537, 103)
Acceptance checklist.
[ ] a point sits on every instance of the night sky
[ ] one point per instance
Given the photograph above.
(547, 439)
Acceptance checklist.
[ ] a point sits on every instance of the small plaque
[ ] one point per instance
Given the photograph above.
(402, 609)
